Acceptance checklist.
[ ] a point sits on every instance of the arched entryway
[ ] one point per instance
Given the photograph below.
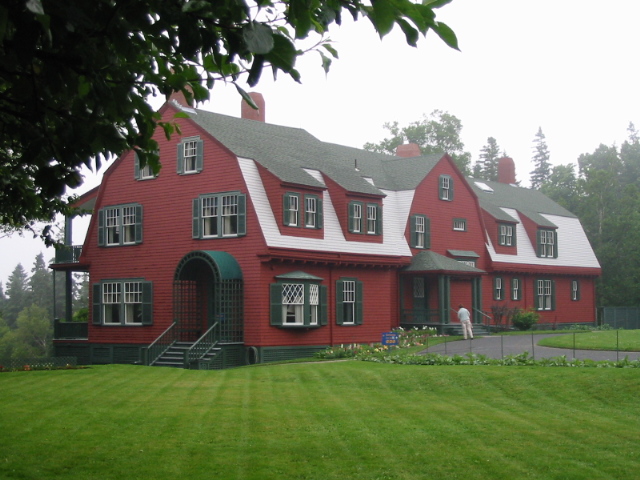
(207, 288)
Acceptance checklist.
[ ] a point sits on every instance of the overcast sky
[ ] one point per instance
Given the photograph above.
(567, 66)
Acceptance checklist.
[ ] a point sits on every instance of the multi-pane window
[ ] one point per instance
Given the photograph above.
(460, 224)
(515, 289)
(575, 290)
(299, 302)
(142, 173)
(190, 155)
(356, 217)
(418, 287)
(445, 189)
(498, 292)
(506, 235)
(111, 299)
(544, 295)
(133, 303)
(122, 302)
(292, 303)
(310, 212)
(419, 232)
(547, 243)
(348, 301)
(120, 225)
(210, 216)
(219, 215)
(229, 215)
(372, 219)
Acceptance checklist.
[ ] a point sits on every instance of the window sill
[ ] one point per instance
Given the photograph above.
(299, 327)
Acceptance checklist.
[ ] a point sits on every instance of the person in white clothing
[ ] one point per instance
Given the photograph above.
(465, 320)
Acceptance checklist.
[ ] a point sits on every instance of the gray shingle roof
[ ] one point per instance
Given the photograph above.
(429, 261)
(529, 202)
(287, 151)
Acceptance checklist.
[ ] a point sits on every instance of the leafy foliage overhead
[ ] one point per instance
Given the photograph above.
(76, 76)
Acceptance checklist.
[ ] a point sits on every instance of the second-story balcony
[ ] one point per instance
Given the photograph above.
(68, 254)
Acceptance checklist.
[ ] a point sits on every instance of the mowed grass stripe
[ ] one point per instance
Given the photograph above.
(351, 420)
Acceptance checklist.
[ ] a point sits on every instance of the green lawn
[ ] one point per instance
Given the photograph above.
(623, 340)
(333, 420)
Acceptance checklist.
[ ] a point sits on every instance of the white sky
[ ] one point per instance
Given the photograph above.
(568, 66)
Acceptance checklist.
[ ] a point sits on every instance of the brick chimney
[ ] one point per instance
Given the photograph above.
(506, 170)
(408, 150)
(180, 98)
(249, 113)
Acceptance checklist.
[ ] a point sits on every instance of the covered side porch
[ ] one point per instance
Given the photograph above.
(432, 287)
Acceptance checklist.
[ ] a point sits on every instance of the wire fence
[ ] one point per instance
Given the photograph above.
(610, 346)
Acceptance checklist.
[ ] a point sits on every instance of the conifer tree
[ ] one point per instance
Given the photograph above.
(487, 166)
(542, 167)
(41, 285)
(18, 293)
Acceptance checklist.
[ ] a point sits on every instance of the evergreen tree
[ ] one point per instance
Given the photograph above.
(18, 293)
(41, 285)
(542, 166)
(487, 166)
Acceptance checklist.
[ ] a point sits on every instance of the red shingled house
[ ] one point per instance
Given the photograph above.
(258, 242)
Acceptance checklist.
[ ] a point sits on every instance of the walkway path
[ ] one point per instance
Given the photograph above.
(498, 346)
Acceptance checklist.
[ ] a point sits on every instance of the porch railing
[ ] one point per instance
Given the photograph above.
(203, 345)
(160, 345)
(70, 330)
(68, 254)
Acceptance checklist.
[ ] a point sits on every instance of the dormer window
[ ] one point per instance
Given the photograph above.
(300, 210)
(505, 235)
(446, 188)
(547, 243)
(365, 218)
(355, 217)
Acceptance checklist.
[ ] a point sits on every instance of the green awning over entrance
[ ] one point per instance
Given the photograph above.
(221, 262)
(435, 263)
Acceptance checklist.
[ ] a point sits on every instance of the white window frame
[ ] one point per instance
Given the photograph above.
(209, 212)
(111, 300)
(229, 204)
(357, 218)
(314, 303)
(112, 227)
(575, 290)
(293, 212)
(547, 243)
(545, 294)
(349, 302)
(190, 156)
(460, 224)
(132, 300)
(506, 235)
(292, 304)
(446, 187)
(498, 291)
(372, 219)
(420, 231)
(515, 289)
(146, 173)
(310, 212)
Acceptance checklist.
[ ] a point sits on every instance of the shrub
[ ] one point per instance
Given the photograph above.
(525, 319)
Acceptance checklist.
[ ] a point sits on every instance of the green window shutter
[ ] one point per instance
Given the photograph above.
(555, 244)
(538, 243)
(136, 166)
(323, 314)
(378, 219)
(180, 158)
(147, 303)
(538, 299)
(286, 202)
(276, 303)
(553, 294)
(97, 304)
(196, 219)
(359, 314)
(242, 214)
(200, 155)
(350, 217)
(138, 227)
(339, 298)
(101, 229)
(319, 213)
(427, 232)
(450, 189)
(440, 189)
